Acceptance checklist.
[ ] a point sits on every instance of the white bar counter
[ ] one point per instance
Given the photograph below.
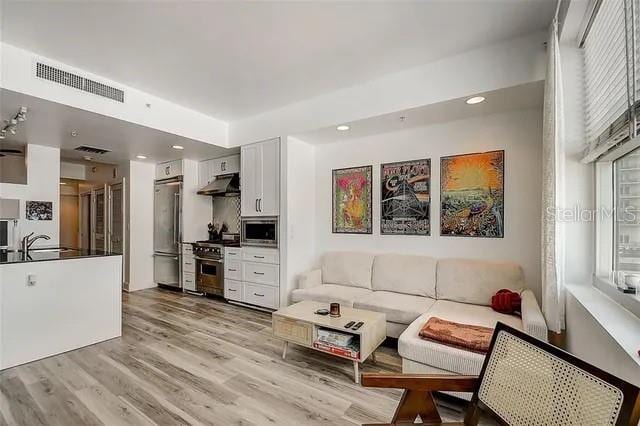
(55, 302)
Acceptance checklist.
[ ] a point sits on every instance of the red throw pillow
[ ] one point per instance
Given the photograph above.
(506, 302)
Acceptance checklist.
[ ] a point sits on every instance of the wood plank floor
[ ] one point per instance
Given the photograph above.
(189, 360)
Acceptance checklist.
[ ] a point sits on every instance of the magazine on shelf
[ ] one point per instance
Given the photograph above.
(335, 338)
(349, 352)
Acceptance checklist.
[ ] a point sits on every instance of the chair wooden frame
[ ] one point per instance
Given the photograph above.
(417, 399)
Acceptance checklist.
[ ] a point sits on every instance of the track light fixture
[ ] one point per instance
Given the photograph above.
(11, 126)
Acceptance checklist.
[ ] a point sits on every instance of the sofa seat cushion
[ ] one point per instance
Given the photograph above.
(412, 347)
(328, 293)
(399, 308)
(403, 273)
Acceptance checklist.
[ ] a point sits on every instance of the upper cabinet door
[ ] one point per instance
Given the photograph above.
(204, 173)
(269, 202)
(226, 165)
(250, 182)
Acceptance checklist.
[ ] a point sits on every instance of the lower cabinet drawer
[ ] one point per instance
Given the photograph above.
(233, 290)
(188, 281)
(233, 270)
(261, 273)
(261, 295)
(188, 264)
(295, 331)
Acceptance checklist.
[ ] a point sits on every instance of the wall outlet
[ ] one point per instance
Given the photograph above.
(31, 279)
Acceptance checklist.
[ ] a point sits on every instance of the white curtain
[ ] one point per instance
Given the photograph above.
(552, 188)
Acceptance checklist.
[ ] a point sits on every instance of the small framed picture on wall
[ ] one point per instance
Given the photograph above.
(351, 204)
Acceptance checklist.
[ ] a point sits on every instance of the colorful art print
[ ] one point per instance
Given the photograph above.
(472, 195)
(39, 210)
(405, 198)
(352, 200)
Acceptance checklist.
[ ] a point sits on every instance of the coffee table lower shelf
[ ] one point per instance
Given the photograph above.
(356, 362)
(299, 325)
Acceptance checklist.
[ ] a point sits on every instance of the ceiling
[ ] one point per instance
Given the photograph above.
(513, 98)
(235, 59)
(51, 124)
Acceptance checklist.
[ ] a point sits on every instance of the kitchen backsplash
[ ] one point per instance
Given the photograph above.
(227, 210)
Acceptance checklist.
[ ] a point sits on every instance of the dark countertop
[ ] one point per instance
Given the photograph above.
(43, 254)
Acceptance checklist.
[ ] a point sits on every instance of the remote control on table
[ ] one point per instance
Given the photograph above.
(349, 324)
(357, 326)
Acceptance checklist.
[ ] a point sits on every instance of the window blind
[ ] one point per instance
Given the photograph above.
(606, 77)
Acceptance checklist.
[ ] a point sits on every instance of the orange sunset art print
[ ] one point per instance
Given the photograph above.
(472, 195)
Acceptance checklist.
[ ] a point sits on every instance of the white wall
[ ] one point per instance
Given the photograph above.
(589, 341)
(505, 64)
(43, 184)
(300, 210)
(519, 133)
(18, 75)
(140, 232)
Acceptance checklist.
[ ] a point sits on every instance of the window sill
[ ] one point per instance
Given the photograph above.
(622, 325)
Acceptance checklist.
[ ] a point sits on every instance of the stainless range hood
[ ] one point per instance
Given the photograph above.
(223, 186)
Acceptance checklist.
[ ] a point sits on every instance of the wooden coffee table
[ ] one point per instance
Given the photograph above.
(299, 324)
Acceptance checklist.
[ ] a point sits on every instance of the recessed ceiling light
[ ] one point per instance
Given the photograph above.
(178, 147)
(343, 127)
(88, 158)
(63, 183)
(142, 157)
(74, 134)
(475, 100)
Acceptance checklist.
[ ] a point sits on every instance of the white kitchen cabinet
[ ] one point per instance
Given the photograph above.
(204, 173)
(260, 178)
(169, 169)
(209, 169)
(252, 276)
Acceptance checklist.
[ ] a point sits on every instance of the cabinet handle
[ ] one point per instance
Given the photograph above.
(232, 270)
(231, 289)
(258, 273)
(258, 257)
(259, 295)
(257, 205)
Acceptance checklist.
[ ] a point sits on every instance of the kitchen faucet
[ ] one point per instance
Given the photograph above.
(27, 241)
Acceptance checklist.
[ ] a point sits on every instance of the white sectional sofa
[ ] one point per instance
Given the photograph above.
(411, 289)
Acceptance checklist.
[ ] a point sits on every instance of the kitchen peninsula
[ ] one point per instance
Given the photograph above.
(55, 300)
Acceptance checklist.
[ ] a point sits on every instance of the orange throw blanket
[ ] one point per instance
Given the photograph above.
(474, 338)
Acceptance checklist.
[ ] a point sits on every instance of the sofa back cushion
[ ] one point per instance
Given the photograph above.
(475, 281)
(405, 274)
(347, 268)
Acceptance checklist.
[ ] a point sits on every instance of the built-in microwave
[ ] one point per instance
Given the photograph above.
(259, 231)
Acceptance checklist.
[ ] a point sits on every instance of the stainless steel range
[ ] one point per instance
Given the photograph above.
(209, 258)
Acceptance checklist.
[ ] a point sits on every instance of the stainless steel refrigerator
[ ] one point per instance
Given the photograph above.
(167, 231)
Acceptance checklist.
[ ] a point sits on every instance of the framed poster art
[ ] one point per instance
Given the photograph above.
(39, 210)
(351, 206)
(472, 195)
(405, 198)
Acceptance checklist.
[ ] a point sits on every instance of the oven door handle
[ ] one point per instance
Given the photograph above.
(208, 260)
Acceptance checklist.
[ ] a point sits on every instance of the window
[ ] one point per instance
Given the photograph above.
(626, 223)
(612, 91)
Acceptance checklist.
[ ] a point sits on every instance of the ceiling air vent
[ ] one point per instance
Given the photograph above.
(91, 149)
(78, 82)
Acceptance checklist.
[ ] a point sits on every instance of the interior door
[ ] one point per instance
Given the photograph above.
(99, 214)
(250, 179)
(85, 221)
(116, 231)
(269, 202)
